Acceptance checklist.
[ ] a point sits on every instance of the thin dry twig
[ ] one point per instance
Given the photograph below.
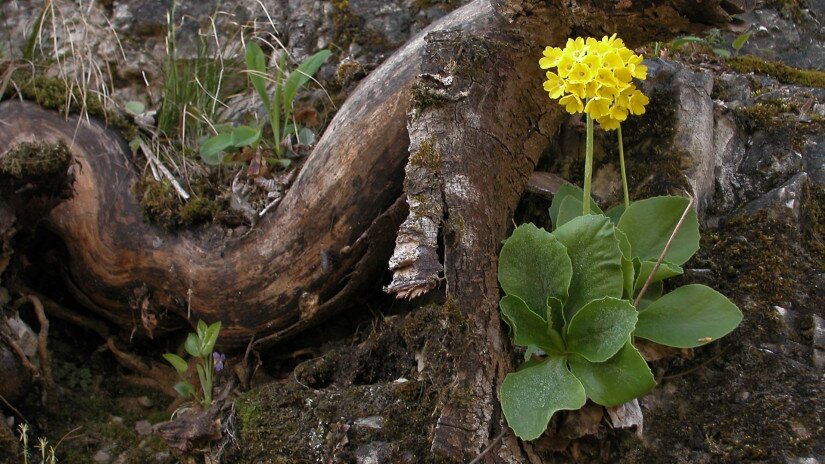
(489, 447)
(664, 252)
(157, 166)
(42, 344)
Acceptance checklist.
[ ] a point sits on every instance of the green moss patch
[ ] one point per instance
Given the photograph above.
(779, 71)
(36, 159)
(161, 205)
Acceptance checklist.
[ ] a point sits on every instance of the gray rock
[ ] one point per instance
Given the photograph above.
(377, 452)
(102, 457)
(145, 402)
(782, 203)
(143, 427)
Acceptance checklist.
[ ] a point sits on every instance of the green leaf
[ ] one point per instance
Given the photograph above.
(615, 213)
(575, 194)
(616, 381)
(210, 337)
(653, 293)
(533, 266)
(134, 108)
(302, 75)
(134, 144)
(601, 328)
(721, 52)
(243, 136)
(306, 136)
(201, 329)
(192, 345)
(740, 41)
(596, 259)
(528, 328)
(211, 149)
(688, 317)
(177, 362)
(256, 65)
(555, 314)
(628, 271)
(649, 223)
(666, 270)
(531, 396)
(682, 41)
(185, 389)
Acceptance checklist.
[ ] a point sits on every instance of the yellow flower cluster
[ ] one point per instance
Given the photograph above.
(595, 76)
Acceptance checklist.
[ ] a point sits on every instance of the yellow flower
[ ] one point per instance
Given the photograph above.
(638, 101)
(572, 104)
(595, 77)
(551, 57)
(597, 107)
(554, 85)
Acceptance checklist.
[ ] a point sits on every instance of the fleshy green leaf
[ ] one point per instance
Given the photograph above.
(533, 266)
(177, 362)
(615, 213)
(302, 75)
(243, 136)
(185, 389)
(528, 327)
(306, 136)
(213, 146)
(601, 328)
(210, 337)
(531, 396)
(653, 293)
(616, 381)
(649, 223)
(628, 271)
(134, 107)
(201, 375)
(192, 345)
(596, 259)
(741, 40)
(688, 317)
(575, 194)
(555, 314)
(666, 270)
(256, 65)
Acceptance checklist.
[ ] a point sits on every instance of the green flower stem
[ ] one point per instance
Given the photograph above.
(588, 166)
(624, 173)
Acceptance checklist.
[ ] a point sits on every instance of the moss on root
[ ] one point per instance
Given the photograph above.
(36, 159)
(53, 93)
(779, 71)
(161, 205)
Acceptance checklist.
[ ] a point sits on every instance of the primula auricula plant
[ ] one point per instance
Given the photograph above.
(199, 345)
(579, 296)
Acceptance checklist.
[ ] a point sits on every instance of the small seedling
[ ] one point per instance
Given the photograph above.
(199, 345)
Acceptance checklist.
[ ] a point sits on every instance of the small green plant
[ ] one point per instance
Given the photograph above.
(714, 41)
(278, 106)
(579, 296)
(199, 345)
(193, 89)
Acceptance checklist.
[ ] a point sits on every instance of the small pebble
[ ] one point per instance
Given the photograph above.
(145, 402)
(117, 420)
(143, 427)
(102, 456)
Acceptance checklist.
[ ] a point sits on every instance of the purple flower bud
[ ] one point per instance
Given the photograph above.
(219, 359)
